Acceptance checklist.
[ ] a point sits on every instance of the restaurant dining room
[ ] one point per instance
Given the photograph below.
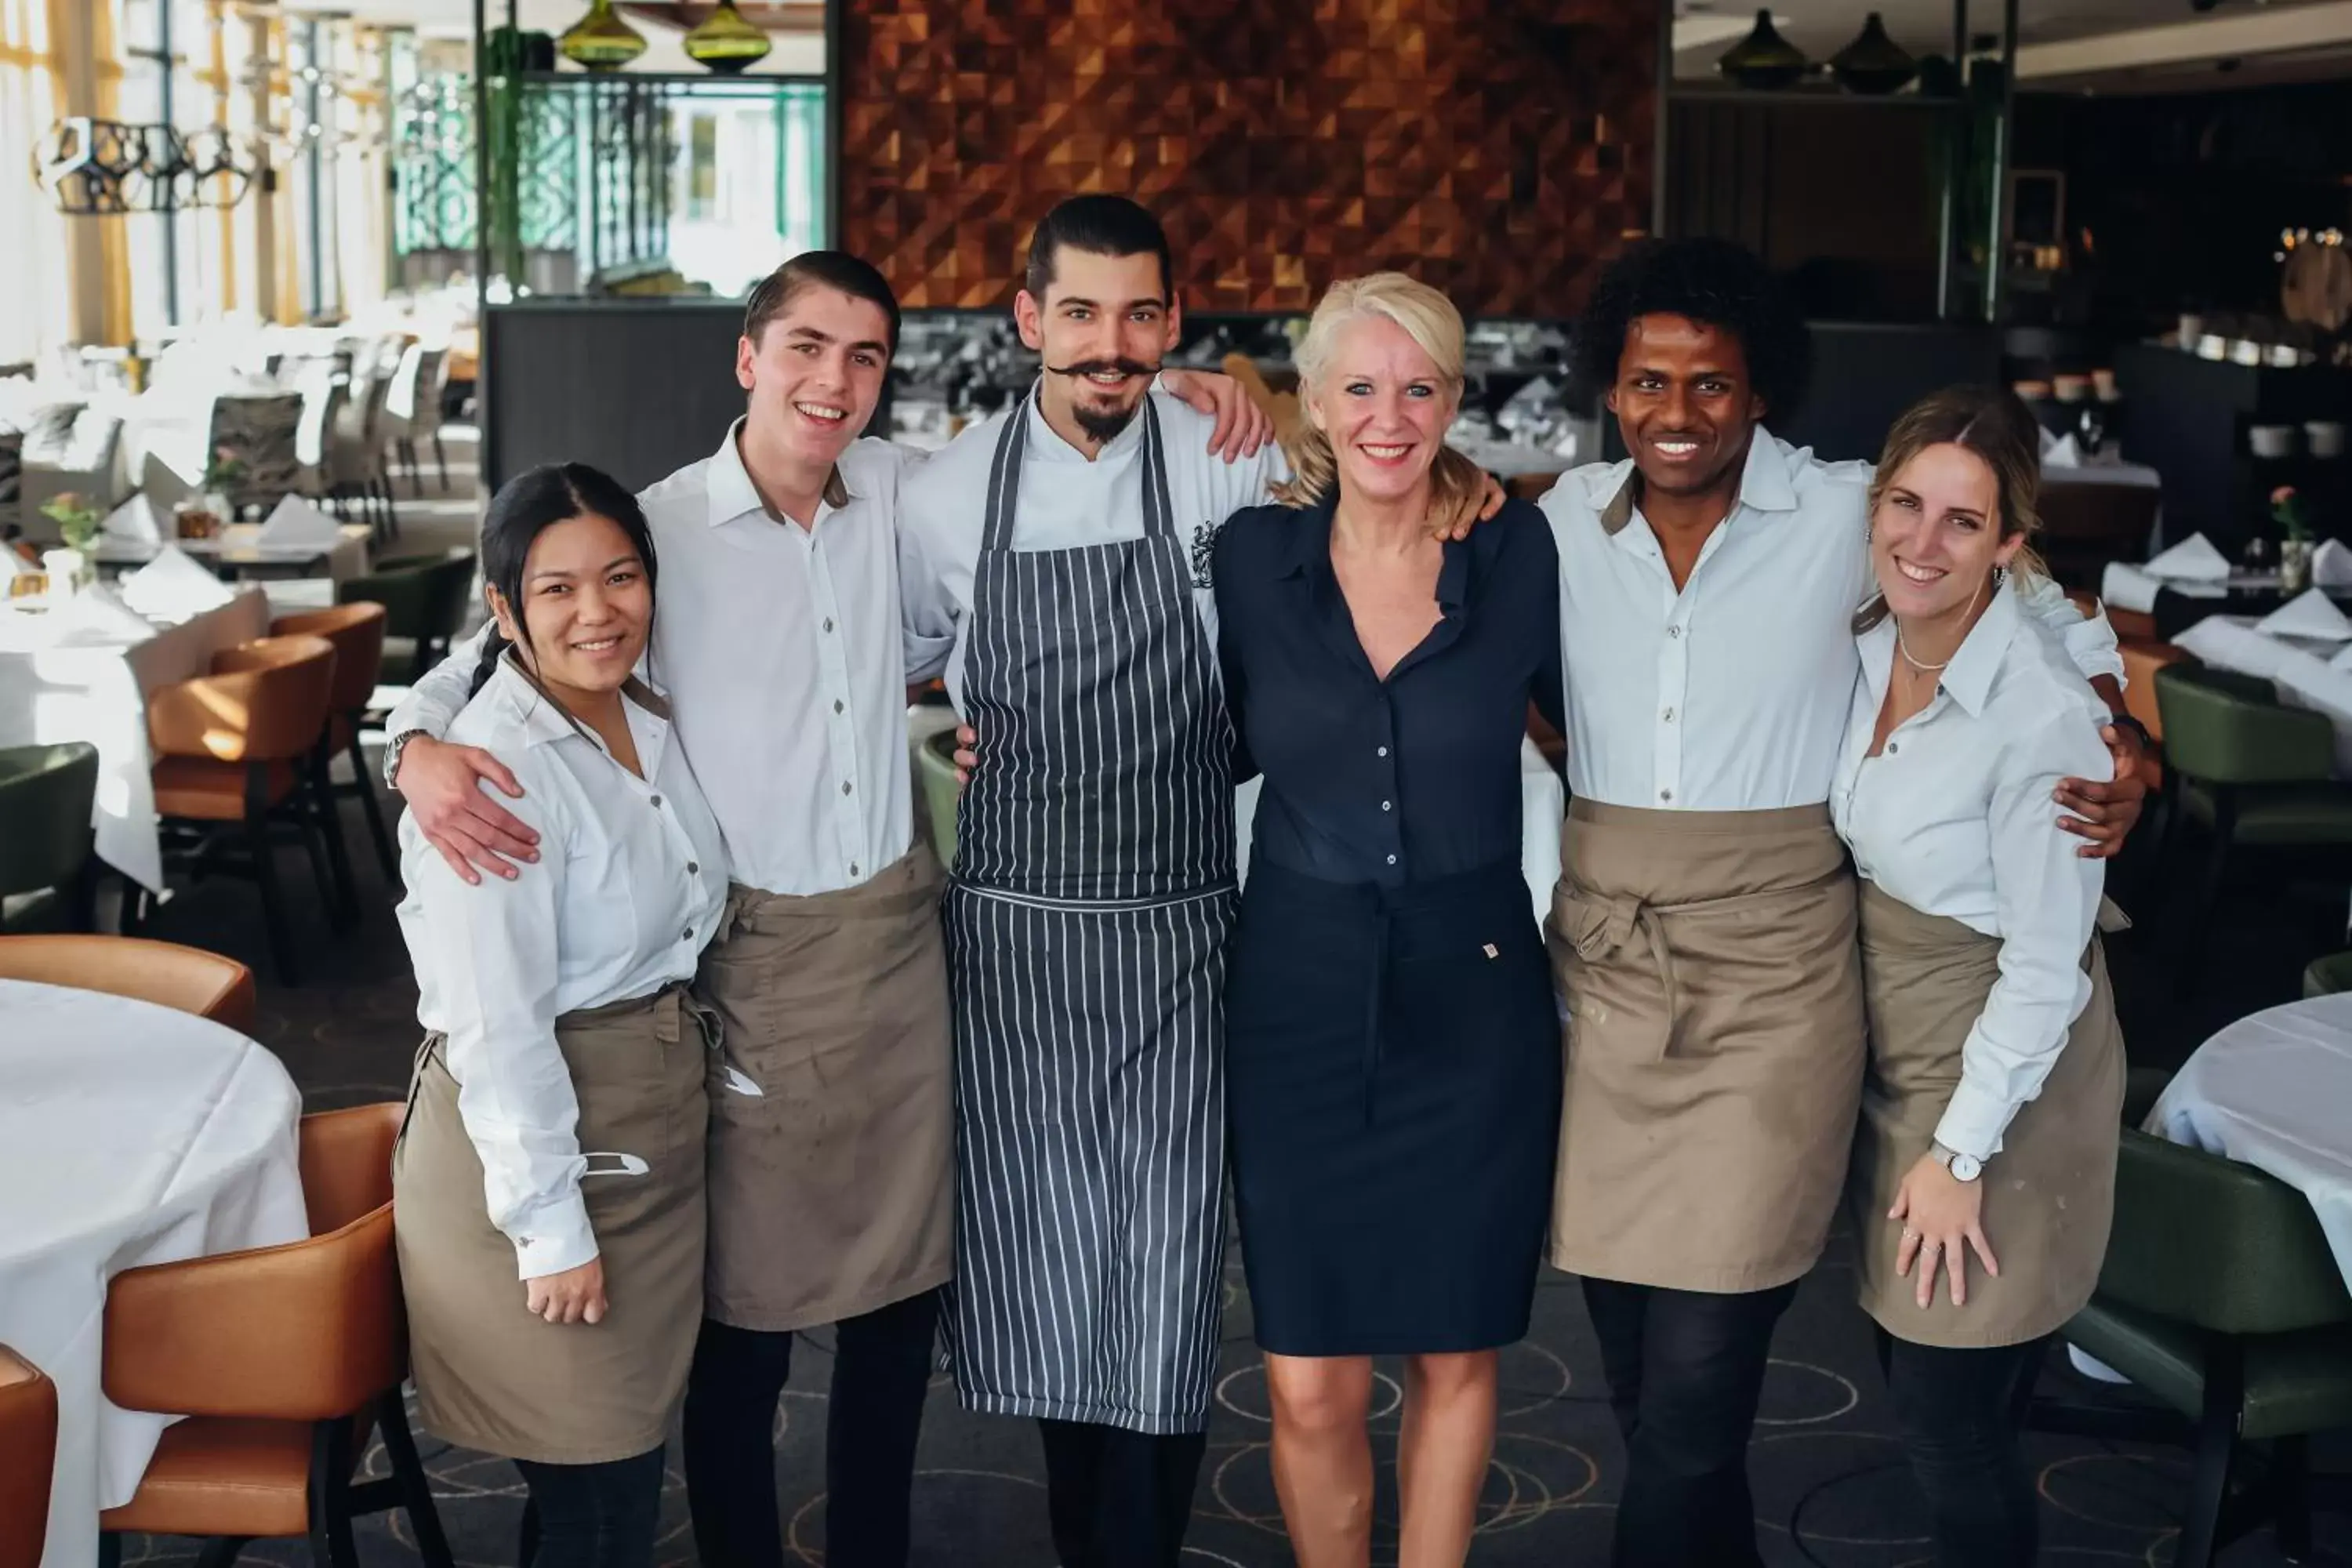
(490, 486)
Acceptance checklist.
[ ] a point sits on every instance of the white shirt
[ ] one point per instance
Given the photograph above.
(1730, 695)
(630, 885)
(1066, 502)
(1954, 818)
(780, 647)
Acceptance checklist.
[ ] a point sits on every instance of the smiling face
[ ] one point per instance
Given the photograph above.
(1385, 407)
(1936, 534)
(587, 605)
(814, 373)
(1684, 404)
(1103, 327)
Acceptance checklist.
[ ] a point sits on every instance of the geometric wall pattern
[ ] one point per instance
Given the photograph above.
(1500, 150)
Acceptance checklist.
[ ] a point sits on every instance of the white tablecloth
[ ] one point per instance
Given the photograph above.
(2297, 668)
(2274, 1091)
(130, 1134)
(1543, 802)
(99, 693)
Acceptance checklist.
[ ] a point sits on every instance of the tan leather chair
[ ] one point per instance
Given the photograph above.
(186, 978)
(282, 1358)
(357, 631)
(233, 749)
(28, 1451)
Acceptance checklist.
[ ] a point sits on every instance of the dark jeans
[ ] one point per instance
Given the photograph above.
(1960, 1412)
(881, 1368)
(1686, 1369)
(596, 1516)
(1119, 1499)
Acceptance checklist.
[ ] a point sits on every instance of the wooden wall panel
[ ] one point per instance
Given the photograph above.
(1499, 149)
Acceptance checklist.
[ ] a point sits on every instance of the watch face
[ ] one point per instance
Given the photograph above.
(1967, 1167)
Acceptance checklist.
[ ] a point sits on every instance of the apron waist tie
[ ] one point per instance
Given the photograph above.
(1603, 924)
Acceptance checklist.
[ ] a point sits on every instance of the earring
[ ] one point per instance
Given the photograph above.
(2000, 577)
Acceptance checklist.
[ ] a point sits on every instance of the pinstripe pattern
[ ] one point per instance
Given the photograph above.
(1086, 948)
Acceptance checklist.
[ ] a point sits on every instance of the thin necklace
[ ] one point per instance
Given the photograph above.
(1932, 669)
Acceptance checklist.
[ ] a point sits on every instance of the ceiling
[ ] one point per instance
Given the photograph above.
(2097, 45)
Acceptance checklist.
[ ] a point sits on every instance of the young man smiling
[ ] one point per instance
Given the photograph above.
(778, 632)
(1704, 926)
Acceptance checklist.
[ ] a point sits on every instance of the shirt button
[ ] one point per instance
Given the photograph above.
(1674, 631)
(1391, 859)
(1670, 715)
(1665, 795)
(845, 786)
(656, 803)
(693, 869)
(1381, 752)
(689, 936)
(1387, 805)
(853, 868)
(836, 704)
(1892, 748)
(828, 623)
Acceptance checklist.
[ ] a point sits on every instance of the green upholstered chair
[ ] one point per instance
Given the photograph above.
(936, 779)
(48, 871)
(424, 599)
(2250, 772)
(2220, 1298)
(2327, 974)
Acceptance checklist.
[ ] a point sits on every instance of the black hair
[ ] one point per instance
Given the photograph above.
(1714, 283)
(529, 505)
(836, 269)
(1100, 226)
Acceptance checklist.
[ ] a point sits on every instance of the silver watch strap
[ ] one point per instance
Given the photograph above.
(392, 752)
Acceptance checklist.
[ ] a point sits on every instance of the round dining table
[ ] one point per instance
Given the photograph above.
(130, 1134)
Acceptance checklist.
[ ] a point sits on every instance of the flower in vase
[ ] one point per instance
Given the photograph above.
(2287, 511)
(76, 520)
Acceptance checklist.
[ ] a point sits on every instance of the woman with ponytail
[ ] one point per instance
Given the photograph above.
(549, 1181)
(1392, 1050)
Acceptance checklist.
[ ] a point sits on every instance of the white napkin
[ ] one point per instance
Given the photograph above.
(172, 587)
(2331, 565)
(135, 520)
(2062, 453)
(2311, 613)
(96, 617)
(164, 489)
(2193, 560)
(296, 521)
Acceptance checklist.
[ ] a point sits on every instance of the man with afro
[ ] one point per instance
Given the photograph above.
(1704, 927)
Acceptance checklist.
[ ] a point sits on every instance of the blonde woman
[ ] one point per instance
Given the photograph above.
(1983, 1174)
(1393, 1052)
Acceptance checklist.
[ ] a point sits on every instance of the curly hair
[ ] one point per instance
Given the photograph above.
(1712, 281)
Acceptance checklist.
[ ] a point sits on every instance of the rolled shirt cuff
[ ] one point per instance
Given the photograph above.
(552, 1238)
(1974, 1120)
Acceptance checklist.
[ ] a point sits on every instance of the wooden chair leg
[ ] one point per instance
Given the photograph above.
(2216, 1446)
(386, 856)
(331, 828)
(415, 1486)
(265, 875)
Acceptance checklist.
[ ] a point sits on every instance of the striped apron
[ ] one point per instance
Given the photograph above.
(1086, 929)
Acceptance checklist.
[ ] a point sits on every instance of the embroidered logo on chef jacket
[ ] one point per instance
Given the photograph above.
(1204, 550)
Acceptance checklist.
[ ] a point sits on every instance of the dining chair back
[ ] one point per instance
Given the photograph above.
(47, 796)
(423, 598)
(2224, 728)
(281, 1359)
(2085, 526)
(357, 631)
(262, 433)
(935, 769)
(28, 1454)
(185, 979)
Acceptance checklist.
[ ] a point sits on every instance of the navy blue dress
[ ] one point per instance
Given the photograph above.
(1393, 1051)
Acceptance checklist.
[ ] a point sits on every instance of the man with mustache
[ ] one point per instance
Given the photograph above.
(1704, 927)
(778, 631)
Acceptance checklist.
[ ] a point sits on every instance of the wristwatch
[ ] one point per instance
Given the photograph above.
(392, 750)
(2127, 722)
(1963, 1167)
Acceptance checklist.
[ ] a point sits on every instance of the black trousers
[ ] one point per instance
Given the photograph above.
(1960, 1412)
(596, 1516)
(1686, 1369)
(881, 1369)
(1119, 1499)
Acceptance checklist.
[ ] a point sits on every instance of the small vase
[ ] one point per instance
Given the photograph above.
(2294, 566)
(1874, 63)
(1763, 61)
(600, 40)
(725, 42)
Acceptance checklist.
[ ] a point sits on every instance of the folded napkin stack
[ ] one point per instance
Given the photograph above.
(174, 587)
(295, 522)
(2311, 615)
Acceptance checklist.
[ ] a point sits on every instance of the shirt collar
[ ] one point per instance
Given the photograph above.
(1969, 679)
(1305, 553)
(544, 719)
(1764, 484)
(733, 494)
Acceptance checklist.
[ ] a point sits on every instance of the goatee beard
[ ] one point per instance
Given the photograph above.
(1102, 425)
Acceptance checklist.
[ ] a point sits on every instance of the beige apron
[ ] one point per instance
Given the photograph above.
(832, 1107)
(492, 1376)
(1714, 1043)
(2049, 1194)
